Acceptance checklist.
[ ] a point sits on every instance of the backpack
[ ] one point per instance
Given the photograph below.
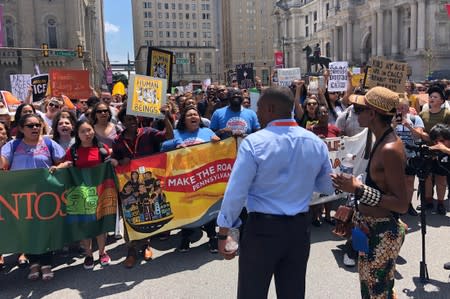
(101, 149)
(48, 143)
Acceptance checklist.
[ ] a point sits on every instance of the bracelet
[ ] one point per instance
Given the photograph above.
(222, 237)
(368, 195)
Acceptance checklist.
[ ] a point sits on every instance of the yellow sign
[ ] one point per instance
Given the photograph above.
(146, 95)
(181, 188)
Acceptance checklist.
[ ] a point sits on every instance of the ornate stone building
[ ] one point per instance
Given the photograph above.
(414, 31)
(61, 24)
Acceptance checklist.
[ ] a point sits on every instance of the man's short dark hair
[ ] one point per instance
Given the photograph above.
(282, 95)
(440, 131)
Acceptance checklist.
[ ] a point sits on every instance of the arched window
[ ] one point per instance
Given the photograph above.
(9, 32)
(51, 30)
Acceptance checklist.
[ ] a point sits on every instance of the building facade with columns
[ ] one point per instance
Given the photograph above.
(413, 31)
(59, 24)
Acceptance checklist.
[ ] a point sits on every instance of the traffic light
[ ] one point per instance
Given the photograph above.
(44, 48)
(80, 51)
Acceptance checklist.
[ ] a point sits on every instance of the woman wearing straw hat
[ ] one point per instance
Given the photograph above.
(381, 197)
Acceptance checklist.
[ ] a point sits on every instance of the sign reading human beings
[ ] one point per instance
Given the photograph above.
(39, 84)
(286, 76)
(387, 73)
(337, 81)
(244, 75)
(180, 188)
(146, 96)
(72, 83)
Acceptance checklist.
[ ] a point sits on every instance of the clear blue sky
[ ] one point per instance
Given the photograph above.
(118, 30)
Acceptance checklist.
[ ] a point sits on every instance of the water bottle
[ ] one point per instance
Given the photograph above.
(232, 242)
(347, 165)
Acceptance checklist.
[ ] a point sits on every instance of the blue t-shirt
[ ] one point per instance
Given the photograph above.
(186, 138)
(241, 122)
(30, 157)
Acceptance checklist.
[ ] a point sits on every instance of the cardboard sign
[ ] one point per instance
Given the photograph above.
(72, 83)
(19, 85)
(159, 64)
(146, 95)
(387, 73)
(39, 84)
(357, 80)
(338, 76)
(244, 74)
(286, 76)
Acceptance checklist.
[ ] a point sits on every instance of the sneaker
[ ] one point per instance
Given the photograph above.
(213, 245)
(428, 206)
(447, 266)
(105, 259)
(88, 262)
(349, 262)
(184, 247)
(441, 209)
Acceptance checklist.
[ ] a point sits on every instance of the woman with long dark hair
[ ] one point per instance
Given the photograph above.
(63, 128)
(85, 153)
(32, 150)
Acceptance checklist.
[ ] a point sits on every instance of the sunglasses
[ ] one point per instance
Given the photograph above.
(54, 105)
(359, 110)
(102, 111)
(32, 126)
(311, 104)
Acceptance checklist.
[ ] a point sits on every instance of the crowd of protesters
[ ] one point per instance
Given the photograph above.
(50, 134)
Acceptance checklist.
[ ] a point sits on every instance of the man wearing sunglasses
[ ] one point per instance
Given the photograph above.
(234, 120)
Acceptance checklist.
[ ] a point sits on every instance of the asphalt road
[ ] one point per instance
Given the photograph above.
(200, 274)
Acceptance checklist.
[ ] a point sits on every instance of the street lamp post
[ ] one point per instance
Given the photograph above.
(284, 54)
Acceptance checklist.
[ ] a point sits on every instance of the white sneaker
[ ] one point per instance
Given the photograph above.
(349, 262)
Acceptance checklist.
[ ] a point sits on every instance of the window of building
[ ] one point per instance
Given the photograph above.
(159, 5)
(160, 15)
(174, 34)
(174, 43)
(182, 34)
(327, 9)
(174, 6)
(194, 16)
(180, 6)
(315, 27)
(187, 16)
(181, 25)
(188, 34)
(166, 5)
(208, 68)
(306, 32)
(9, 32)
(160, 24)
(306, 20)
(186, 7)
(180, 16)
(167, 15)
(194, 34)
(182, 43)
(51, 30)
(315, 16)
(188, 25)
(168, 34)
(161, 43)
(168, 43)
(174, 15)
(161, 34)
(207, 55)
(167, 24)
(188, 43)
(174, 25)
(193, 6)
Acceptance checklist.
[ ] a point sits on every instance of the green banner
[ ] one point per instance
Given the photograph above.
(40, 211)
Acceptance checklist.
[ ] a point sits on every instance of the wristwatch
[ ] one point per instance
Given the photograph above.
(222, 237)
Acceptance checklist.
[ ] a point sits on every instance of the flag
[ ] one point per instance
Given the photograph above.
(448, 9)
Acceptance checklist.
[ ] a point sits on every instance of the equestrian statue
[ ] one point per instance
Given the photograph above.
(315, 58)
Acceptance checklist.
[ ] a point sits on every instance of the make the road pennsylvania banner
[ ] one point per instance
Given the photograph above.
(181, 188)
(41, 212)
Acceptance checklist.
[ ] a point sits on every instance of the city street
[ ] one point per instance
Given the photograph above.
(199, 274)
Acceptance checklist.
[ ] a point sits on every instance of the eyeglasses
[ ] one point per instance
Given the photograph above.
(54, 105)
(102, 111)
(311, 104)
(359, 110)
(32, 126)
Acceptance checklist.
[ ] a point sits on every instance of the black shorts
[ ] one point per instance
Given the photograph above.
(440, 168)
(409, 170)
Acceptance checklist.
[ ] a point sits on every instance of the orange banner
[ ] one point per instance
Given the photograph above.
(72, 83)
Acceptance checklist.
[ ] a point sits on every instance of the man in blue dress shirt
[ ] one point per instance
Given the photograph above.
(275, 173)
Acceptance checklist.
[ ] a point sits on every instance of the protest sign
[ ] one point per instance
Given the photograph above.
(39, 84)
(338, 148)
(244, 75)
(19, 85)
(47, 211)
(387, 73)
(72, 83)
(254, 97)
(286, 76)
(159, 65)
(180, 188)
(146, 96)
(337, 81)
(357, 80)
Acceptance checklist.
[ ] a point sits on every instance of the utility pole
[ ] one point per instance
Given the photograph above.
(284, 54)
